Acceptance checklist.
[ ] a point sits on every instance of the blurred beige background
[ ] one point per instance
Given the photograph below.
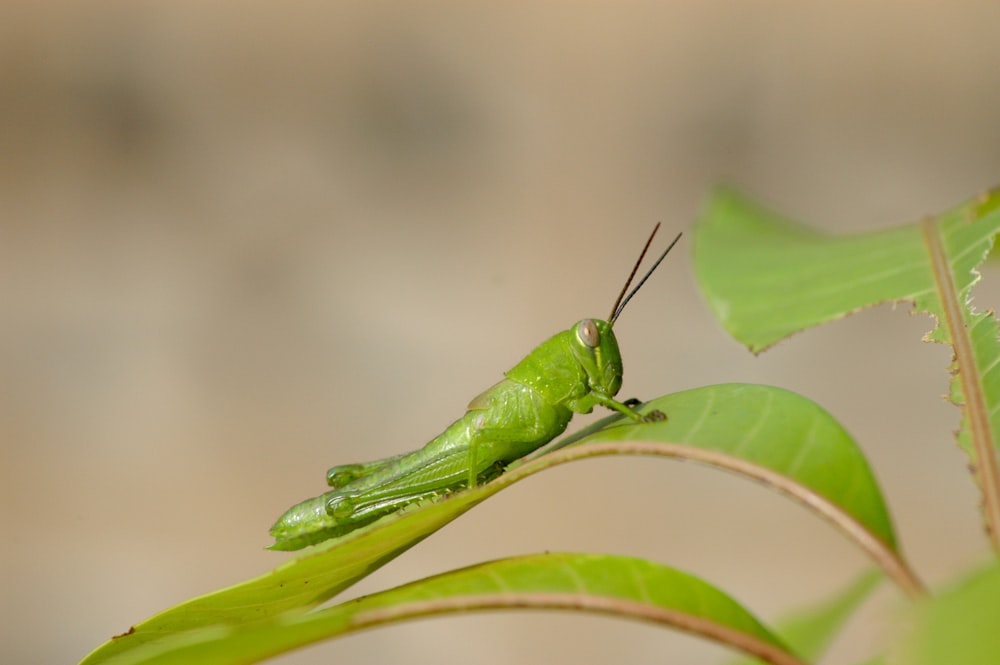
(242, 242)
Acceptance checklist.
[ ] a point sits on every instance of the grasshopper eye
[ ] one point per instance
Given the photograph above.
(588, 333)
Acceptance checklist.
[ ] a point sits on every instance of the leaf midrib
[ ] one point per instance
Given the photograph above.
(975, 400)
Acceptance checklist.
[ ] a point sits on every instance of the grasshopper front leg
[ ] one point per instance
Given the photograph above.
(626, 409)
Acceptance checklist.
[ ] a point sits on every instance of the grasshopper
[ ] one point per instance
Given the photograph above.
(571, 372)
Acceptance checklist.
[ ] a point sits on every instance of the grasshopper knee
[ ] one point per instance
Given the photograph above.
(340, 506)
(339, 476)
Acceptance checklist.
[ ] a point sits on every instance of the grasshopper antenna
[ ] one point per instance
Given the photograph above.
(614, 308)
(622, 298)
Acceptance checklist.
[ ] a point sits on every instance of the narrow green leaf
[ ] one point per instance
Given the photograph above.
(618, 586)
(301, 583)
(811, 631)
(765, 433)
(767, 278)
(959, 626)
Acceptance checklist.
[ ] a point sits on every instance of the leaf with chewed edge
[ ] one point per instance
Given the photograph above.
(766, 277)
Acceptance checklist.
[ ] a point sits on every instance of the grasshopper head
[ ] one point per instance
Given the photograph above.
(596, 349)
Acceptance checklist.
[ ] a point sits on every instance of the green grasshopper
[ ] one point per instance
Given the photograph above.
(569, 373)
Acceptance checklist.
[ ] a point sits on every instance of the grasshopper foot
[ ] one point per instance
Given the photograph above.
(654, 416)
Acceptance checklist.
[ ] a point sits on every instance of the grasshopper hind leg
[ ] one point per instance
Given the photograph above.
(345, 507)
(349, 513)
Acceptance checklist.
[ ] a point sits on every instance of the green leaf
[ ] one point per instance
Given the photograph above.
(619, 586)
(764, 433)
(770, 435)
(959, 626)
(766, 278)
(809, 632)
(301, 583)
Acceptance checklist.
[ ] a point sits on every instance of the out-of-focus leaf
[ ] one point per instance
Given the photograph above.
(961, 626)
